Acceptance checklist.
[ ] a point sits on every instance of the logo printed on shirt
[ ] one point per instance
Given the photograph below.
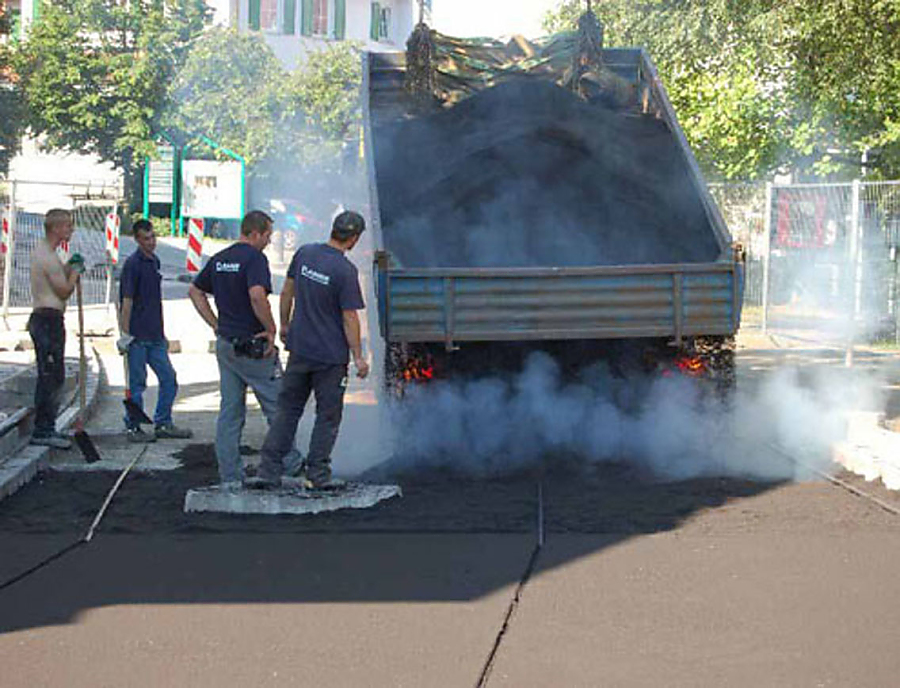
(228, 267)
(311, 274)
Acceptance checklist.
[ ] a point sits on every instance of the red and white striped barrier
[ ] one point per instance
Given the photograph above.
(4, 226)
(63, 251)
(195, 244)
(112, 237)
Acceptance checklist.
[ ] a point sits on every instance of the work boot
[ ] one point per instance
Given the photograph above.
(170, 431)
(294, 464)
(320, 478)
(328, 484)
(138, 436)
(265, 484)
(54, 439)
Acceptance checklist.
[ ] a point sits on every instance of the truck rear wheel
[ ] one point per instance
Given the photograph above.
(717, 354)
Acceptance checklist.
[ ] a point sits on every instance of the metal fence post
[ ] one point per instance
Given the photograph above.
(854, 270)
(10, 248)
(767, 251)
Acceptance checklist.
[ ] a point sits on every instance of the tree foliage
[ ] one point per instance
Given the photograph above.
(234, 90)
(231, 89)
(10, 100)
(761, 85)
(95, 75)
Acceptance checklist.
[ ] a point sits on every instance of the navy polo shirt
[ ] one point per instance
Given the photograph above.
(141, 281)
(228, 276)
(325, 285)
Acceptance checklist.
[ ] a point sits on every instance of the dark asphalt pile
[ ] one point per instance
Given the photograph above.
(528, 174)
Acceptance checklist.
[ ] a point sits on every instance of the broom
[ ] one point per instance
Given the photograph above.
(82, 439)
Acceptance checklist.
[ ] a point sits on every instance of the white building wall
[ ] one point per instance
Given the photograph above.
(48, 177)
(222, 11)
(292, 49)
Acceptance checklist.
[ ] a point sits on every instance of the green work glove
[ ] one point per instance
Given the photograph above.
(76, 262)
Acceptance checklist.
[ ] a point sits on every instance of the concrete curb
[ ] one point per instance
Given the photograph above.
(870, 450)
(21, 466)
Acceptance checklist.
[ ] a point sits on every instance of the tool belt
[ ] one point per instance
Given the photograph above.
(250, 347)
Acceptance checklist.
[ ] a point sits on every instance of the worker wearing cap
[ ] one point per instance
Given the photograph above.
(321, 329)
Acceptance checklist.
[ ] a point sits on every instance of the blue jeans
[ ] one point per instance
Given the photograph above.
(155, 353)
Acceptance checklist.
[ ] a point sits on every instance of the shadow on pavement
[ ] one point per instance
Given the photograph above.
(450, 538)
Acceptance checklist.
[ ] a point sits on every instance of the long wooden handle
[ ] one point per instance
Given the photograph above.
(82, 361)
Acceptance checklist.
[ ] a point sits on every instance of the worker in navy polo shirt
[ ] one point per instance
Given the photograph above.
(320, 325)
(238, 277)
(143, 340)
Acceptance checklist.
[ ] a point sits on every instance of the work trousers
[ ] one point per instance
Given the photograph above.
(301, 378)
(153, 353)
(48, 332)
(236, 373)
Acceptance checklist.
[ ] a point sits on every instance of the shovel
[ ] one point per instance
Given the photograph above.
(82, 439)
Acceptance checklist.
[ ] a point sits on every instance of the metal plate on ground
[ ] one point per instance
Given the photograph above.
(112, 463)
(287, 499)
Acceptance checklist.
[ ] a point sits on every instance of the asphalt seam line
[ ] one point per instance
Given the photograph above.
(517, 597)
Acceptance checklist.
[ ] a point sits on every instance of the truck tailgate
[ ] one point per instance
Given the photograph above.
(610, 302)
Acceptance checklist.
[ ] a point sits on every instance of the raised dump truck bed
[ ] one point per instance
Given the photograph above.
(634, 246)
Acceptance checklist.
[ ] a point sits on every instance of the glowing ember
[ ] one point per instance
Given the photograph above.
(417, 370)
(692, 366)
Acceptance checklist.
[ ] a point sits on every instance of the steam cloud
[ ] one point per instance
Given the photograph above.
(491, 426)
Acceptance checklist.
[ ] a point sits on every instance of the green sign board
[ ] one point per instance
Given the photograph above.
(161, 175)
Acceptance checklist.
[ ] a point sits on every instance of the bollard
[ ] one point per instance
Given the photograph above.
(195, 245)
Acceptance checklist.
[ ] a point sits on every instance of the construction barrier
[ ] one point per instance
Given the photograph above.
(195, 244)
(63, 251)
(27, 202)
(4, 226)
(112, 237)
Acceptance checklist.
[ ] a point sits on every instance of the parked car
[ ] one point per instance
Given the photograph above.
(295, 225)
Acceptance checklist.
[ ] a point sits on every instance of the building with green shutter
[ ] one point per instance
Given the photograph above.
(293, 28)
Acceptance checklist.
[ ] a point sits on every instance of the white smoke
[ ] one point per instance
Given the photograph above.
(675, 430)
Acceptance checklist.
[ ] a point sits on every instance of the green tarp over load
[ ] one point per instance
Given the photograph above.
(531, 154)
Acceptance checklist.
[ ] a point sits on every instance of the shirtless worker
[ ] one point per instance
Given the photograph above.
(52, 283)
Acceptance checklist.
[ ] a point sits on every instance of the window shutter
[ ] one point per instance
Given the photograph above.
(289, 16)
(340, 19)
(306, 17)
(376, 21)
(254, 15)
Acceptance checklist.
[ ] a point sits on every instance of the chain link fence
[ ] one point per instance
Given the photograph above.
(820, 257)
(23, 205)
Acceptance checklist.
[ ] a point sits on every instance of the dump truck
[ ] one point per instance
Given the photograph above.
(527, 195)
